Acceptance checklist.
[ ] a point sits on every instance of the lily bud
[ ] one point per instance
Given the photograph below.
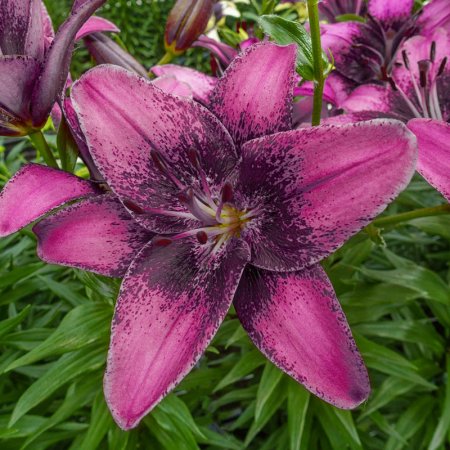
(187, 20)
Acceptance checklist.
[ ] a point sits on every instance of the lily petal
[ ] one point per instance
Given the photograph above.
(390, 13)
(254, 97)
(95, 234)
(56, 66)
(297, 322)
(18, 74)
(435, 14)
(172, 301)
(96, 24)
(201, 84)
(105, 51)
(40, 189)
(172, 85)
(433, 138)
(316, 187)
(111, 101)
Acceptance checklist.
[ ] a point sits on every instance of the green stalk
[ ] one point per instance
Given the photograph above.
(410, 215)
(319, 80)
(40, 144)
(165, 59)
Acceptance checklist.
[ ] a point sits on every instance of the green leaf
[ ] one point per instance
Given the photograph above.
(82, 326)
(246, 364)
(443, 425)
(11, 323)
(67, 148)
(63, 371)
(285, 32)
(101, 420)
(298, 402)
(270, 378)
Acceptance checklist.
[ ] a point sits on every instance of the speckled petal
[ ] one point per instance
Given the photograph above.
(201, 84)
(254, 97)
(433, 138)
(95, 234)
(172, 301)
(34, 191)
(297, 322)
(56, 66)
(124, 118)
(389, 12)
(316, 187)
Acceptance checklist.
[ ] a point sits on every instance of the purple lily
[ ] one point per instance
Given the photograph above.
(243, 207)
(34, 65)
(365, 52)
(418, 94)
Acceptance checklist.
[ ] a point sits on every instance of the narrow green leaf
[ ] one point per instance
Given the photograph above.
(270, 378)
(298, 402)
(11, 323)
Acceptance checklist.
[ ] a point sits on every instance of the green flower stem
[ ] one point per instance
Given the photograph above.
(165, 59)
(40, 144)
(410, 215)
(319, 80)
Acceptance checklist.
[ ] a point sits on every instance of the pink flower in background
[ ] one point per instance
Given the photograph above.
(34, 64)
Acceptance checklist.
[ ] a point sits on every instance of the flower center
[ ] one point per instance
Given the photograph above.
(423, 101)
(219, 219)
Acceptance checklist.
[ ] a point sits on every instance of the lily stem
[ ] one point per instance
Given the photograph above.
(410, 215)
(40, 144)
(165, 59)
(319, 80)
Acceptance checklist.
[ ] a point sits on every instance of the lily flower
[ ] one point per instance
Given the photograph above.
(332, 9)
(243, 208)
(365, 52)
(418, 95)
(34, 65)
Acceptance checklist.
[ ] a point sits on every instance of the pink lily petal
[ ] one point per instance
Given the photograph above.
(172, 301)
(17, 74)
(171, 85)
(321, 186)
(435, 14)
(390, 12)
(53, 78)
(254, 97)
(201, 84)
(96, 234)
(223, 52)
(433, 138)
(111, 101)
(34, 191)
(49, 32)
(297, 322)
(72, 120)
(96, 24)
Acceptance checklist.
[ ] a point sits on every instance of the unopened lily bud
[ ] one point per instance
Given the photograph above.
(187, 20)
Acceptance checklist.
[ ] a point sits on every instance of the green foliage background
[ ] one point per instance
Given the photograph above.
(55, 321)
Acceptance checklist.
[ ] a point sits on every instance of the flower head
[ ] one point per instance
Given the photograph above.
(34, 64)
(241, 207)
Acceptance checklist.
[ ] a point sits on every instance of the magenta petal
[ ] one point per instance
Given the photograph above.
(201, 84)
(172, 85)
(435, 14)
(433, 138)
(96, 24)
(297, 322)
(111, 101)
(96, 234)
(321, 185)
(17, 75)
(35, 190)
(390, 12)
(171, 303)
(57, 62)
(254, 97)
(370, 97)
